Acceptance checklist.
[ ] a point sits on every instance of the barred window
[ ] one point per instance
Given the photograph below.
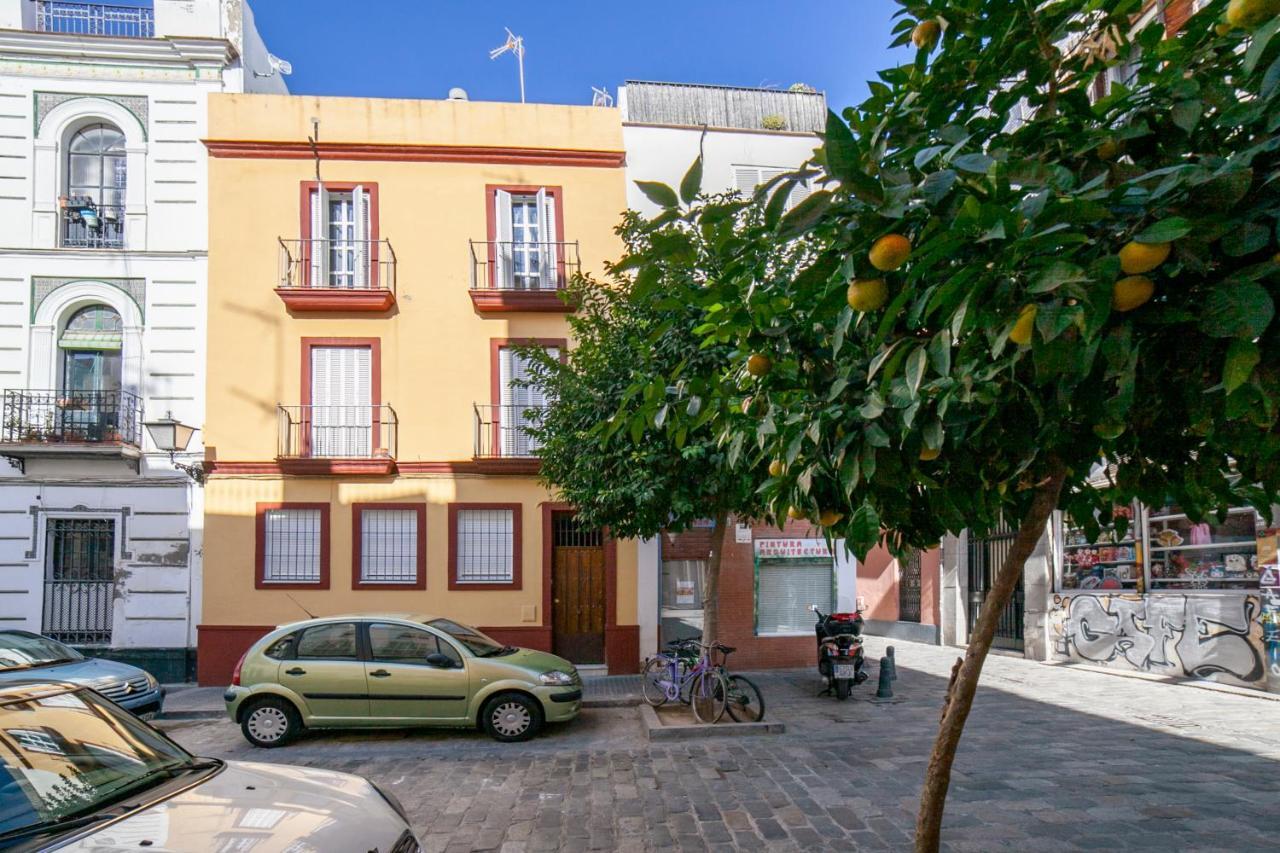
(485, 546)
(388, 546)
(291, 552)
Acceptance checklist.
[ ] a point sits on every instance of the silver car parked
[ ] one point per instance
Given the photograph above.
(79, 773)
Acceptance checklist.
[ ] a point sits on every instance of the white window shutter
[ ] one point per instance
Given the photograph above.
(549, 274)
(798, 194)
(745, 179)
(319, 247)
(341, 396)
(360, 213)
(502, 251)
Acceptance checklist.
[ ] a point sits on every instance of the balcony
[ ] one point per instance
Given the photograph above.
(89, 225)
(71, 423)
(337, 275)
(502, 436)
(509, 276)
(95, 19)
(337, 439)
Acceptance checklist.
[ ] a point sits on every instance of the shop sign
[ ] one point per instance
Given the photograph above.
(742, 534)
(685, 592)
(792, 549)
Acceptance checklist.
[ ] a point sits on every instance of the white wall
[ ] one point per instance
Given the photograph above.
(161, 105)
(656, 153)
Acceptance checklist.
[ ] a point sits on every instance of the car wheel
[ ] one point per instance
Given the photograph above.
(510, 717)
(270, 723)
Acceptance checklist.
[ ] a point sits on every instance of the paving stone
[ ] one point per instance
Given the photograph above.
(1052, 758)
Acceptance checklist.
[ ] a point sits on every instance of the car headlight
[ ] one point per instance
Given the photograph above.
(556, 678)
(152, 683)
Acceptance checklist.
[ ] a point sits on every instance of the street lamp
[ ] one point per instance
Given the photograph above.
(172, 436)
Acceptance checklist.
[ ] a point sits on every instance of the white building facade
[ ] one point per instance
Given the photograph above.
(103, 282)
(746, 137)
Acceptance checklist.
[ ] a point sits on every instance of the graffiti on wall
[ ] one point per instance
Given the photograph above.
(1211, 637)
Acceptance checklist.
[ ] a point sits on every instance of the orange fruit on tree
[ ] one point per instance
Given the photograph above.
(1024, 326)
(889, 252)
(830, 517)
(1131, 291)
(925, 35)
(867, 294)
(1109, 149)
(1247, 14)
(776, 468)
(795, 513)
(1138, 257)
(928, 454)
(759, 365)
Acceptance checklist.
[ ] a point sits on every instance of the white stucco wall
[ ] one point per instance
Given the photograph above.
(657, 153)
(158, 99)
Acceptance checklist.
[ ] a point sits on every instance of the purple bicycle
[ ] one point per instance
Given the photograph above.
(669, 674)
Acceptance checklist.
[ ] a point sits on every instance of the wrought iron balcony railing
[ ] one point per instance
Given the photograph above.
(71, 417)
(337, 432)
(502, 432)
(99, 226)
(95, 19)
(510, 265)
(325, 264)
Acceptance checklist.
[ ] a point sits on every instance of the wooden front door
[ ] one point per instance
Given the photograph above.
(577, 590)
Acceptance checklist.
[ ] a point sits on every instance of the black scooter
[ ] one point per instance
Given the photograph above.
(840, 657)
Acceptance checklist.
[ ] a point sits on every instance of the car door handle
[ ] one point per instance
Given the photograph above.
(297, 670)
(380, 673)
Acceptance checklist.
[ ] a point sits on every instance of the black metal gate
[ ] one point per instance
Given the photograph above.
(909, 589)
(79, 586)
(985, 558)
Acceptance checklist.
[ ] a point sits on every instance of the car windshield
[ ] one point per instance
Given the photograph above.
(476, 642)
(23, 651)
(68, 754)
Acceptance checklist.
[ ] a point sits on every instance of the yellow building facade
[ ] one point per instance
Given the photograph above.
(374, 266)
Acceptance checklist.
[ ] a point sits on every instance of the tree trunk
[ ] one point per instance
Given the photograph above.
(964, 676)
(711, 584)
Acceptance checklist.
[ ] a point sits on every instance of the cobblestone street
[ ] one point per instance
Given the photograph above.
(1053, 758)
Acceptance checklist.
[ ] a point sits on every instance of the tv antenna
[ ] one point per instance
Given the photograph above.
(514, 44)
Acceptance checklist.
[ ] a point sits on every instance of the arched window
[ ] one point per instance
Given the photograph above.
(90, 345)
(96, 182)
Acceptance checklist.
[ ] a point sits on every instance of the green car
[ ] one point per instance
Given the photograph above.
(396, 671)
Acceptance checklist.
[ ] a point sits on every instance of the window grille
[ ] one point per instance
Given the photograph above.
(388, 546)
(79, 587)
(291, 553)
(566, 532)
(486, 545)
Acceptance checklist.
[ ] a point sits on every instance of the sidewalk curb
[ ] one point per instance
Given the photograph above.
(656, 731)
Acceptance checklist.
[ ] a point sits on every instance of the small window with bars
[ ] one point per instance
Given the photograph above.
(292, 544)
(486, 545)
(390, 544)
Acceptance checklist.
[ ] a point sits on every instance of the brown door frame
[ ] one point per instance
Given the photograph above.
(610, 573)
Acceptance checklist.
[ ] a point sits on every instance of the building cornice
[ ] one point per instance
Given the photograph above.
(102, 255)
(165, 51)
(505, 155)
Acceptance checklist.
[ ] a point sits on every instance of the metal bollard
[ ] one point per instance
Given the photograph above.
(893, 663)
(884, 689)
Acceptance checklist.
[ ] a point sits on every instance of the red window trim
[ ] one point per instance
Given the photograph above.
(260, 545)
(304, 222)
(517, 540)
(357, 511)
(491, 218)
(496, 345)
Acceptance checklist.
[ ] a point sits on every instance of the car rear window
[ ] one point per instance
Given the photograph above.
(336, 641)
(279, 650)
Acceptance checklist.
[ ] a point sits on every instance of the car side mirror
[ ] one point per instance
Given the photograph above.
(439, 661)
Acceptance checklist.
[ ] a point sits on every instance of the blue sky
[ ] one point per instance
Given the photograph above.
(420, 48)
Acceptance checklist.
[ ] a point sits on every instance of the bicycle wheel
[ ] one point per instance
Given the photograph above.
(708, 695)
(653, 682)
(745, 702)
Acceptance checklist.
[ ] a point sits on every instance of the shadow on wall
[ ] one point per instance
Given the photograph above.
(1218, 638)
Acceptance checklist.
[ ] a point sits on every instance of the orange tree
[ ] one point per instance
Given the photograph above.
(1050, 240)
(641, 400)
